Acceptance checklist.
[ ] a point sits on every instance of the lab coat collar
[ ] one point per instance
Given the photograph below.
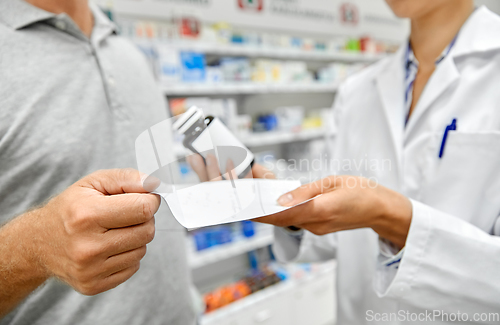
(478, 34)
(445, 75)
(390, 86)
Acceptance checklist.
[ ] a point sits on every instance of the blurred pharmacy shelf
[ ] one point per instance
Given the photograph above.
(246, 88)
(221, 252)
(277, 137)
(237, 307)
(308, 299)
(254, 140)
(275, 53)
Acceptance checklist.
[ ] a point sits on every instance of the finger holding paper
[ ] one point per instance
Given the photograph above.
(259, 171)
(346, 202)
(209, 171)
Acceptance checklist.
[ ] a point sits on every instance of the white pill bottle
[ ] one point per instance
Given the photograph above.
(208, 135)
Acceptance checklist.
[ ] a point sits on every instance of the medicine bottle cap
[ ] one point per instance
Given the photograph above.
(187, 119)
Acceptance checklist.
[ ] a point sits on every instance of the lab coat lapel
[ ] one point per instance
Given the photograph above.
(478, 34)
(390, 87)
(445, 75)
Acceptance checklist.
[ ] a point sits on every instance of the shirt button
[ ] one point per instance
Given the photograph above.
(111, 81)
(61, 25)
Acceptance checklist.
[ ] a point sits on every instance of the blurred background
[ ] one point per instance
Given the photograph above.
(270, 70)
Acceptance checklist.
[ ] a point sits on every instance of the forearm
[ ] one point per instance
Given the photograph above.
(20, 271)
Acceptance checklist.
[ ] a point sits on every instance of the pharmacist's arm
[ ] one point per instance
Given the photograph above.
(446, 262)
(336, 207)
(345, 203)
(92, 236)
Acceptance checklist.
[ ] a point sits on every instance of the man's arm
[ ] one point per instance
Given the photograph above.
(92, 236)
(20, 271)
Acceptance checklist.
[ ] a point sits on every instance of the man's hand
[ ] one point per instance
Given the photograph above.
(346, 202)
(97, 230)
(210, 171)
(92, 236)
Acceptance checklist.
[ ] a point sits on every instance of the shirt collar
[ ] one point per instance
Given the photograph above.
(412, 60)
(20, 14)
(100, 19)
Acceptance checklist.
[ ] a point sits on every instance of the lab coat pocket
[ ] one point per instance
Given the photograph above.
(465, 182)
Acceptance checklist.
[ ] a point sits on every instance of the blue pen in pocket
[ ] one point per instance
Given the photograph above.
(451, 127)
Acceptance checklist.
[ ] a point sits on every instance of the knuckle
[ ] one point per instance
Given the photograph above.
(82, 276)
(333, 211)
(136, 267)
(131, 271)
(125, 173)
(79, 219)
(150, 232)
(145, 206)
(84, 253)
(81, 258)
(142, 252)
(96, 177)
(83, 280)
(89, 288)
(324, 211)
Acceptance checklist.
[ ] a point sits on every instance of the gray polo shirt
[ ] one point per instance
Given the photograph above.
(70, 106)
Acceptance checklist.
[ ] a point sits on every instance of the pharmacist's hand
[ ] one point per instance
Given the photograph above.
(259, 171)
(94, 234)
(211, 172)
(346, 202)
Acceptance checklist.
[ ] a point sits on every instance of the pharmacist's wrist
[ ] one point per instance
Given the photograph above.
(393, 221)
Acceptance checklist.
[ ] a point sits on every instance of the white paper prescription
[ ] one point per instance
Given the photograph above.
(219, 202)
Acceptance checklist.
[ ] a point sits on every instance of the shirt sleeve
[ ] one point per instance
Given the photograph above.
(387, 263)
(308, 248)
(446, 262)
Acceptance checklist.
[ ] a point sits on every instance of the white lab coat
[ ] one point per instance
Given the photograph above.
(451, 261)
